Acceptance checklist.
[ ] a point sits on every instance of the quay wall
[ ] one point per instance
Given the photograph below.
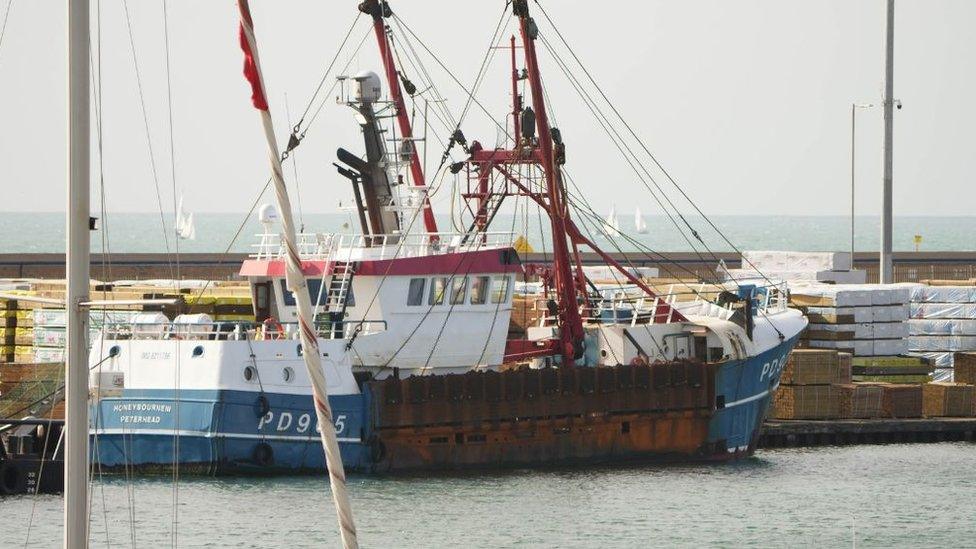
(908, 266)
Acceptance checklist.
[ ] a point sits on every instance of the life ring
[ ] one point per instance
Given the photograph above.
(638, 361)
(272, 328)
(263, 454)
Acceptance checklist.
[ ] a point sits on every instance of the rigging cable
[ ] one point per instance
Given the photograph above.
(622, 146)
(644, 146)
(6, 16)
(176, 241)
(103, 212)
(145, 120)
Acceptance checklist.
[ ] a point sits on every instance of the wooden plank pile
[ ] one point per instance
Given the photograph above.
(965, 366)
(30, 389)
(16, 330)
(860, 400)
(942, 399)
(901, 400)
(810, 386)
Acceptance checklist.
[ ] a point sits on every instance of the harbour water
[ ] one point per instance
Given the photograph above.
(863, 496)
(143, 232)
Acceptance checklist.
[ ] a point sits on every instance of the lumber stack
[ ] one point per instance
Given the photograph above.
(901, 401)
(943, 322)
(29, 389)
(16, 329)
(860, 400)
(948, 400)
(865, 320)
(810, 385)
(965, 368)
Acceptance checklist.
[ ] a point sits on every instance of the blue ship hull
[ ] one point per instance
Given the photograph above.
(233, 432)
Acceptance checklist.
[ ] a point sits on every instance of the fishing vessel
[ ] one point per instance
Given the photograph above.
(411, 327)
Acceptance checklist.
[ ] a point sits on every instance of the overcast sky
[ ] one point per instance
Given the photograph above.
(745, 102)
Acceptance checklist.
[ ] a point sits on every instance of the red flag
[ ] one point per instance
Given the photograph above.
(251, 73)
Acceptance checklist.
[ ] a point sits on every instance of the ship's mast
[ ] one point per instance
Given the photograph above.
(379, 10)
(77, 269)
(571, 325)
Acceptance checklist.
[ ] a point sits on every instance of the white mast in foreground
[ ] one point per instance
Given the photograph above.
(77, 271)
(296, 282)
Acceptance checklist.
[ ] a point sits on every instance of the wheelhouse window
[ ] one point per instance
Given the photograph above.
(479, 290)
(438, 287)
(314, 284)
(415, 295)
(459, 286)
(499, 289)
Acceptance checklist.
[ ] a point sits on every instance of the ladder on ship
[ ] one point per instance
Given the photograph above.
(491, 208)
(337, 297)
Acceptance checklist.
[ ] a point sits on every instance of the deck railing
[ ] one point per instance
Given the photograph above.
(236, 330)
(354, 247)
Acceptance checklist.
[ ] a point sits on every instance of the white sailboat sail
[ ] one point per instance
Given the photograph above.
(185, 229)
(611, 225)
(639, 224)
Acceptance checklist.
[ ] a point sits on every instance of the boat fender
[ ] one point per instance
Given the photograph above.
(263, 406)
(12, 479)
(263, 454)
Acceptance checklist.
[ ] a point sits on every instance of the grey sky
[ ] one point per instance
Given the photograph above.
(746, 102)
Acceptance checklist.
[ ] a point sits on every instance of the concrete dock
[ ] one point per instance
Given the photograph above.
(839, 432)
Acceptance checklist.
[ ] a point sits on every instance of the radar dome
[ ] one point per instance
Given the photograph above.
(268, 214)
(368, 87)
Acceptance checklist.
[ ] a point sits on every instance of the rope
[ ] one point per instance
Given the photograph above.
(644, 146)
(176, 374)
(145, 121)
(297, 284)
(6, 16)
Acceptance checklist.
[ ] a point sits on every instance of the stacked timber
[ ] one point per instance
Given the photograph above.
(865, 320)
(16, 330)
(965, 368)
(943, 322)
(948, 400)
(861, 400)
(30, 389)
(901, 400)
(892, 369)
(810, 385)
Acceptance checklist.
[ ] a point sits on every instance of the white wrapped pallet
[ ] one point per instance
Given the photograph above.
(797, 261)
(890, 330)
(890, 313)
(943, 294)
(944, 310)
(865, 347)
(864, 330)
(942, 343)
(939, 359)
(941, 326)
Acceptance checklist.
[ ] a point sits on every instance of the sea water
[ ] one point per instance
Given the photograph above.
(148, 232)
(919, 495)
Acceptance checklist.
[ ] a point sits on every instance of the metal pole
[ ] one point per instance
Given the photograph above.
(77, 266)
(886, 265)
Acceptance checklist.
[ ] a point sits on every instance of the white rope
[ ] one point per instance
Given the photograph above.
(295, 280)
